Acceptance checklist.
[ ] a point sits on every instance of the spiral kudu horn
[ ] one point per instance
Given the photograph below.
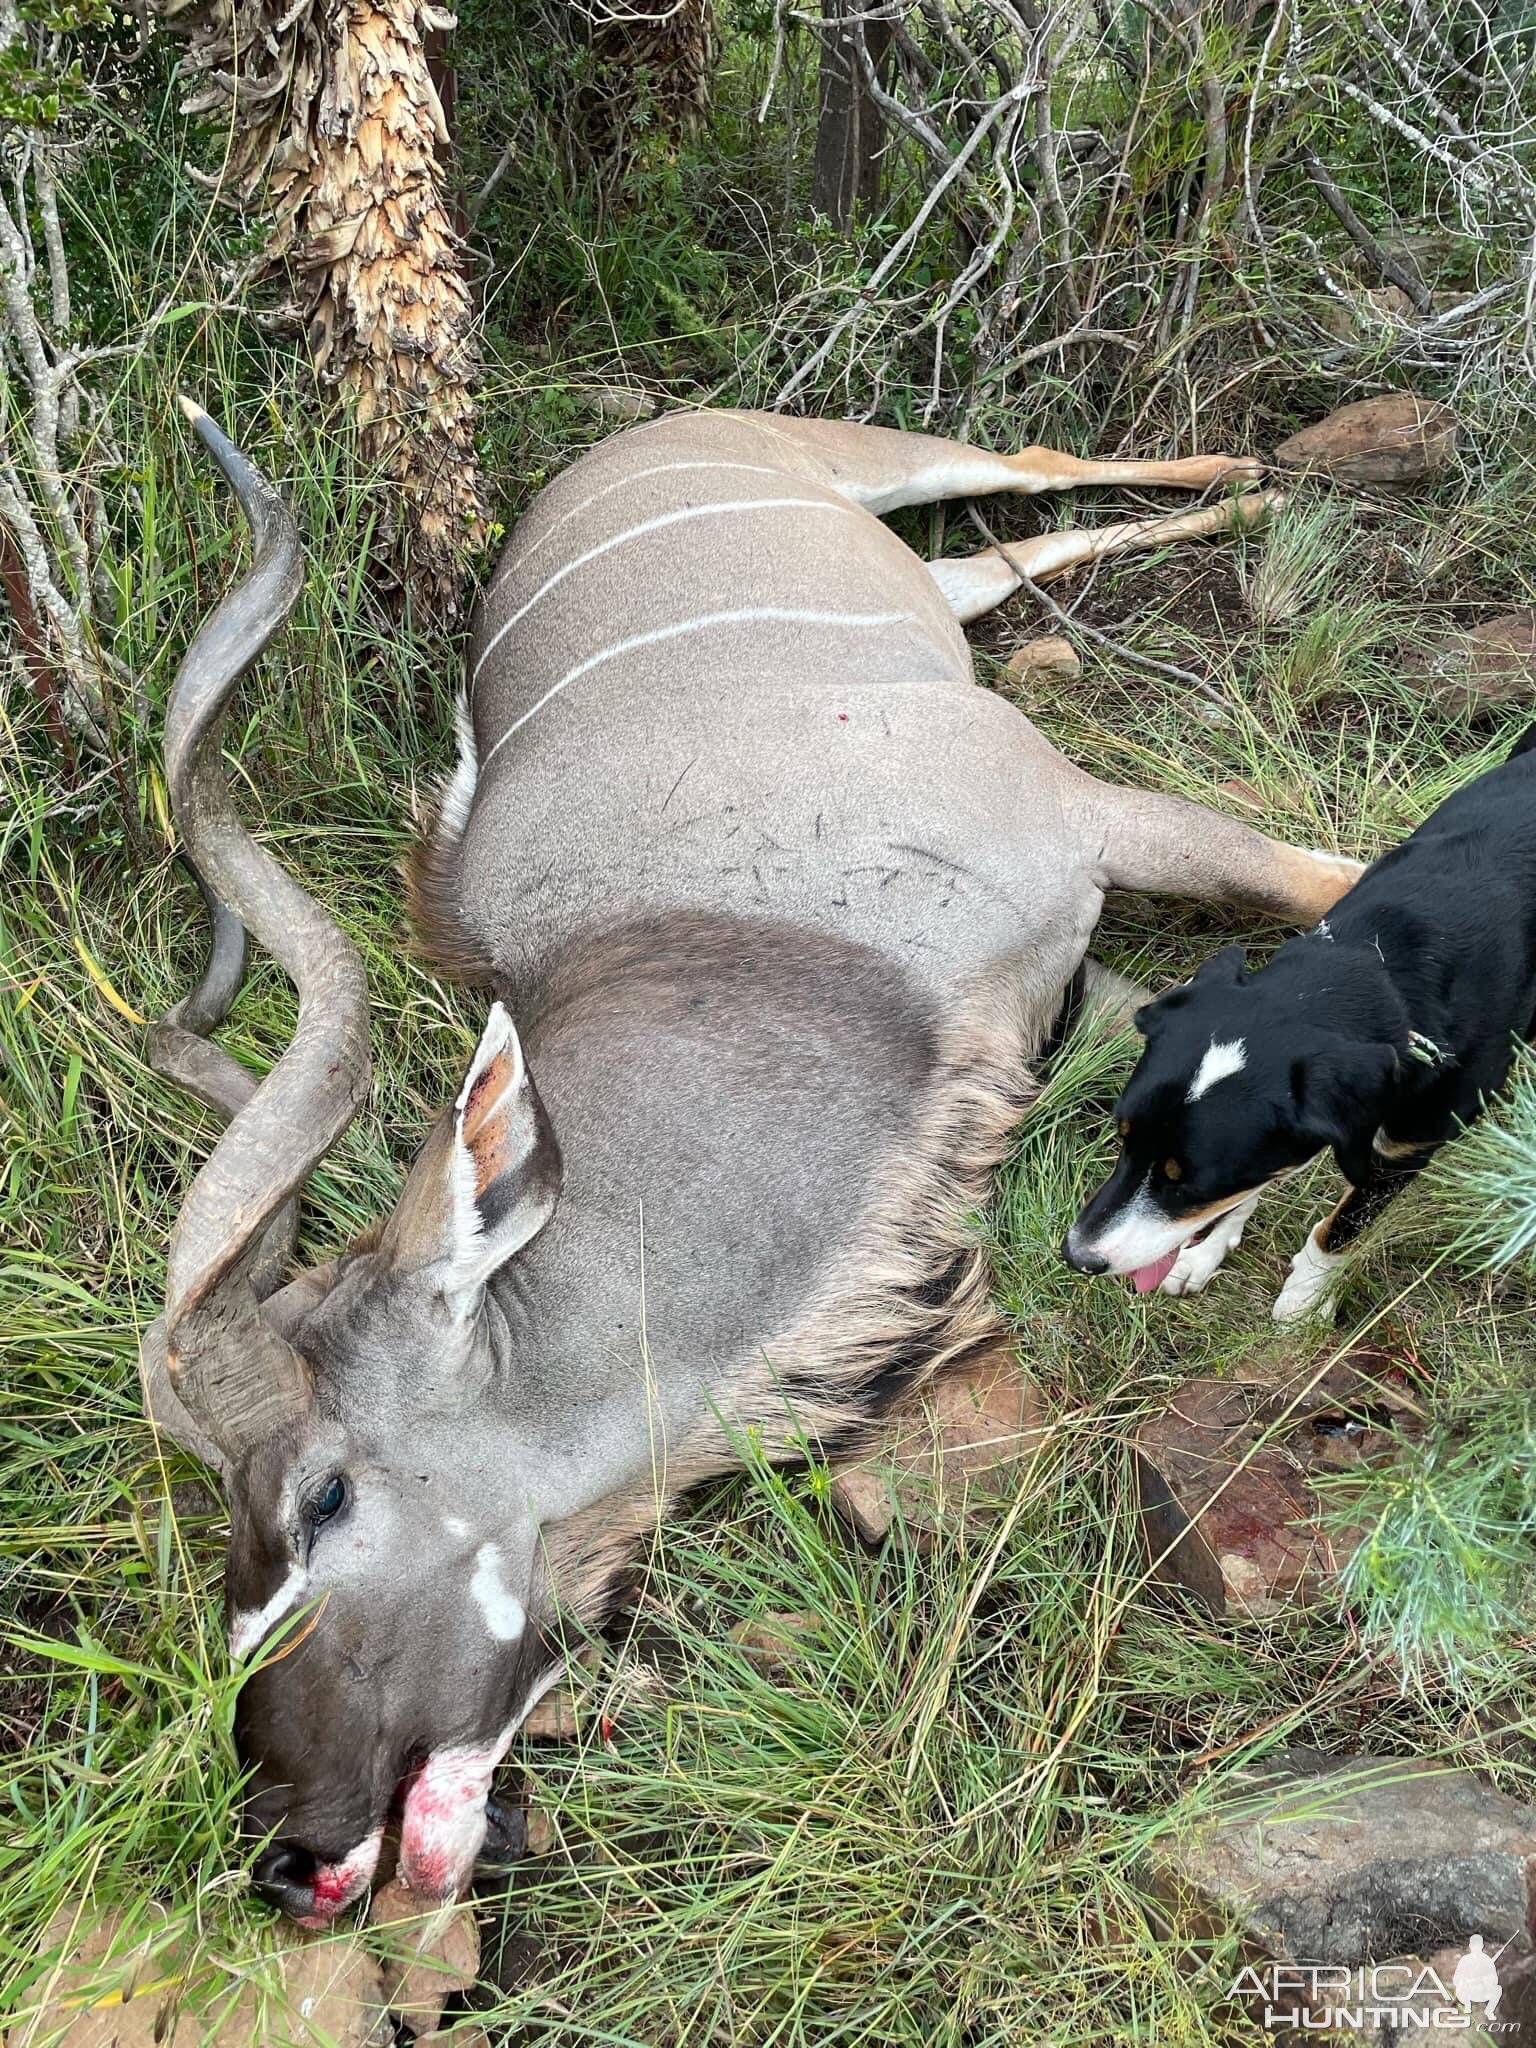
(236, 1376)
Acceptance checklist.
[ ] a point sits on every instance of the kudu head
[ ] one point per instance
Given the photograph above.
(371, 1522)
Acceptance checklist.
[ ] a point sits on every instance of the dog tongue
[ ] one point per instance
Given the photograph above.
(1148, 1277)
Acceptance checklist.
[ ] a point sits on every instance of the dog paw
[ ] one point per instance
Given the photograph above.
(1308, 1285)
(1193, 1269)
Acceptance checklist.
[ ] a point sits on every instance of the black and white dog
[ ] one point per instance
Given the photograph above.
(1378, 1034)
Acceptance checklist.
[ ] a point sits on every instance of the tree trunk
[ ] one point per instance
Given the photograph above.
(339, 138)
(656, 59)
(850, 136)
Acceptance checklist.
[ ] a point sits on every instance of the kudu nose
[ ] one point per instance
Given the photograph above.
(1081, 1261)
(284, 1875)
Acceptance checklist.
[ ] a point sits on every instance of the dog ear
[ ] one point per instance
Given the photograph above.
(1225, 969)
(1337, 1097)
(1229, 967)
(1151, 1015)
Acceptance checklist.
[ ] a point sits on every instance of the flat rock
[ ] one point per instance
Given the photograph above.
(566, 1708)
(947, 1459)
(1359, 310)
(426, 1955)
(335, 1994)
(542, 1835)
(1352, 1860)
(1224, 1475)
(118, 1991)
(1491, 664)
(1283, 795)
(1050, 657)
(776, 1642)
(620, 404)
(1396, 439)
(1428, 254)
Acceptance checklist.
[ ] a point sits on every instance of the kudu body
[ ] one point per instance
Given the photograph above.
(784, 905)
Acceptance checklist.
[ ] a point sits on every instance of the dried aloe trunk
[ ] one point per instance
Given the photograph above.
(339, 141)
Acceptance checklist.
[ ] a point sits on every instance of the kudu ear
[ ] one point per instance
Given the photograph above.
(486, 1181)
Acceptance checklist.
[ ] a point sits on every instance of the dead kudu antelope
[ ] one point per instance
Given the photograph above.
(784, 905)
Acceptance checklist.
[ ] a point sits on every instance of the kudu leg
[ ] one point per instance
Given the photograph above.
(973, 584)
(1164, 846)
(883, 469)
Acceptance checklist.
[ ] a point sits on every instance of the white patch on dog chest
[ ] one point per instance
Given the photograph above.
(1223, 1058)
(502, 1611)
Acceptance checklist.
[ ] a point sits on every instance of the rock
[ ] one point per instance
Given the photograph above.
(1428, 255)
(1397, 439)
(946, 1457)
(565, 1708)
(1494, 663)
(118, 1992)
(334, 1993)
(775, 1641)
(465, 2035)
(1283, 795)
(1237, 791)
(1344, 1860)
(619, 405)
(1346, 317)
(1053, 657)
(1228, 1511)
(427, 1955)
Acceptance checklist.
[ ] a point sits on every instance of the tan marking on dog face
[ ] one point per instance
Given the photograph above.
(1193, 1218)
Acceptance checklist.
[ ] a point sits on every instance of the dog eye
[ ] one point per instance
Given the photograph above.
(1172, 1169)
(1123, 1127)
(328, 1502)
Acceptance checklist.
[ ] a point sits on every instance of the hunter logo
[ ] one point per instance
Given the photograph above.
(1324, 1997)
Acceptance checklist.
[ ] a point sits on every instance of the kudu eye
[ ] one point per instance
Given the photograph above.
(329, 1501)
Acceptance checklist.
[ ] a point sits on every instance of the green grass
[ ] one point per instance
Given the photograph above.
(935, 1826)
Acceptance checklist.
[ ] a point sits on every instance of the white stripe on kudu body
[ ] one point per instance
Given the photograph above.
(512, 561)
(662, 519)
(754, 615)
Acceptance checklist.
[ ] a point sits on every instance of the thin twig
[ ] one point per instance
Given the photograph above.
(1100, 639)
(1382, 260)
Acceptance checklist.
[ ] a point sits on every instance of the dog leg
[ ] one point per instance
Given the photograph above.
(1192, 1269)
(1317, 1267)
(1311, 1280)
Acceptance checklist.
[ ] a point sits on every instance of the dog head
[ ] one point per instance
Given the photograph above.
(1238, 1086)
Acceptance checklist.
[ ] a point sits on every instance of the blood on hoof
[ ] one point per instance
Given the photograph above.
(338, 1884)
(445, 1822)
